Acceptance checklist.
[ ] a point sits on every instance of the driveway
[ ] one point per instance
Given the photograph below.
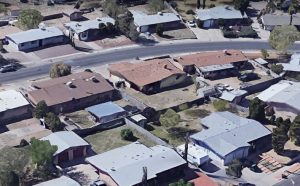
(56, 51)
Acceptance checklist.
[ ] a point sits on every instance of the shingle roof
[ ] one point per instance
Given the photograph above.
(132, 158)
(219, 12)
(206, 59)
(159, 18)
(285, 92)
(61, 181)
(11, 99)
(56, 91)
(227, 132)
(65, 140)
(145, 72)
(82, 26)
(35, 34)
(105, 109)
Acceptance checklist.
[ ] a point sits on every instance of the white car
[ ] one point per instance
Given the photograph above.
(192, 23)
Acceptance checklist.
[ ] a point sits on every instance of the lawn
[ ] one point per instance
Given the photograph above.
(81, 118)
(111, 139)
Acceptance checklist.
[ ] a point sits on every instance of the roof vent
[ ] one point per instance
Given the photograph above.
(78, 24)
(160, 13)
(98, 19)
(70, 84)
(94, 79)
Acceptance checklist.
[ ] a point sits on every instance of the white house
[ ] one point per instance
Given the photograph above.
(35, 38)
(13, 107)
(226, 136)
(85, 30)
(210, 16)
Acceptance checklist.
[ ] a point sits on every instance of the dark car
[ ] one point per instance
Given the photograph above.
(248, 77)
(7, 68)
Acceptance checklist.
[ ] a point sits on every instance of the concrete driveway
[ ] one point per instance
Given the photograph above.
(56, 51)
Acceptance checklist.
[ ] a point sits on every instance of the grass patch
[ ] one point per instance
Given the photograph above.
(81, 118)
(111, 139)
(220, 105)
(197, 113)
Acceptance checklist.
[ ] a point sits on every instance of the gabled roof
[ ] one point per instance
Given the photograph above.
(285, 92)
(11, 99)
(131, 159)
(105, 109)
(141, 19)
(220, 12)
(227, 132)
(61, 181)
(145, 72)
(82, 26)
(65, 140)
(207, 59)
(35, 34)
(293, 65)
(58, 90)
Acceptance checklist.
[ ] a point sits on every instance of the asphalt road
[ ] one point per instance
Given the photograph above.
(128, 53)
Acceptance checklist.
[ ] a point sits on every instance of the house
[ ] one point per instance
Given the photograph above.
(234, 96)
(87, 30)
(35, 38)
(210, 17)
(115, 166)
(293, 66)
(269, 21)
(69, 146)
(226, 136)
(13, 107)
(213, 64)
(148, 23)
(13, 11)
(149, 76)
(283, 97)
(195, 154)
(72, 92)
(106, 112)
(61, 181)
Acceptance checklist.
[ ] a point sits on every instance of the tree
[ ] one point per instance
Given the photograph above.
(169, 118)
(257, 110)
(293, 8)
(53, 122)
(181, 182)
(282, 37)
(234, 169)
(160, 30)
(198, 4)
(125, 24)
(127, 134)
(264, 53)
(272, 120)
(279, 138)
(40, 110)
(295, 131)
(9, 178)
(241, 5)
(30, 18)
(270, 7)
(59, 70)
(156, 5)
(110, 27)
(278, 69)
(41, 151)
(203, 4)
(102, 27)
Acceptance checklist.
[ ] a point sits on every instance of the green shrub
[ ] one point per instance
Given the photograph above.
(190, 12)
(220, 105)
(183, 106)
(169, 118)
(278, 69)
(127, 134)
(229, 34)
(248, 32)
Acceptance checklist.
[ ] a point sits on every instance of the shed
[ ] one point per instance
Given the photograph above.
(195, 154)
(106, 112)
(140, 120)
(234, 96)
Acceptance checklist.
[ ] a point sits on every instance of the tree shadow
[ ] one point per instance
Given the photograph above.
(209, 167)
(78, 176)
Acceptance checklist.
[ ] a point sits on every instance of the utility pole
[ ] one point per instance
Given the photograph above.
(186, 146)
(144, 180)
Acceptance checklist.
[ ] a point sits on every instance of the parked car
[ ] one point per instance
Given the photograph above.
(7, 68)
(98, 183)
(248, 77)
(192, 23)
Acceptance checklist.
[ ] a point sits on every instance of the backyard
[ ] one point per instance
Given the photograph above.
(111, 139)
(81, 118)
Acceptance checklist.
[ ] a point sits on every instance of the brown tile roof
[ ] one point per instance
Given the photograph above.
(212, 58)
(56, 91)
(145, 72)
(204, 180)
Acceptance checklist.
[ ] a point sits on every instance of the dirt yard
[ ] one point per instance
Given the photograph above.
(81, 118)
(111, 139)
(177, 34)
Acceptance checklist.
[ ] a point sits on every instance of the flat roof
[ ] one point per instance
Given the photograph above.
(61, 181)
(219, 12)
(141, 19)
(65, 140)
(225, 132)
(193, 151)
(11, 99)
(105, 109)
(280, 19)
(117, 163)
(231, 95)
(82, 26)
(138, 117)
(35, 34)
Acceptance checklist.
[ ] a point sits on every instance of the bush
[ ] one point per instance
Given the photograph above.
(173, 4)
(169, 118)
(59, 70)
(53, 122)
(160, 30)
(229, 34)
(278, 69)
(190, 12)
(235, 169)
(127, 134)
(248, 32)
(264, 53)
(212, 5)
(40, 110)
(272, 120)
(220, 105)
